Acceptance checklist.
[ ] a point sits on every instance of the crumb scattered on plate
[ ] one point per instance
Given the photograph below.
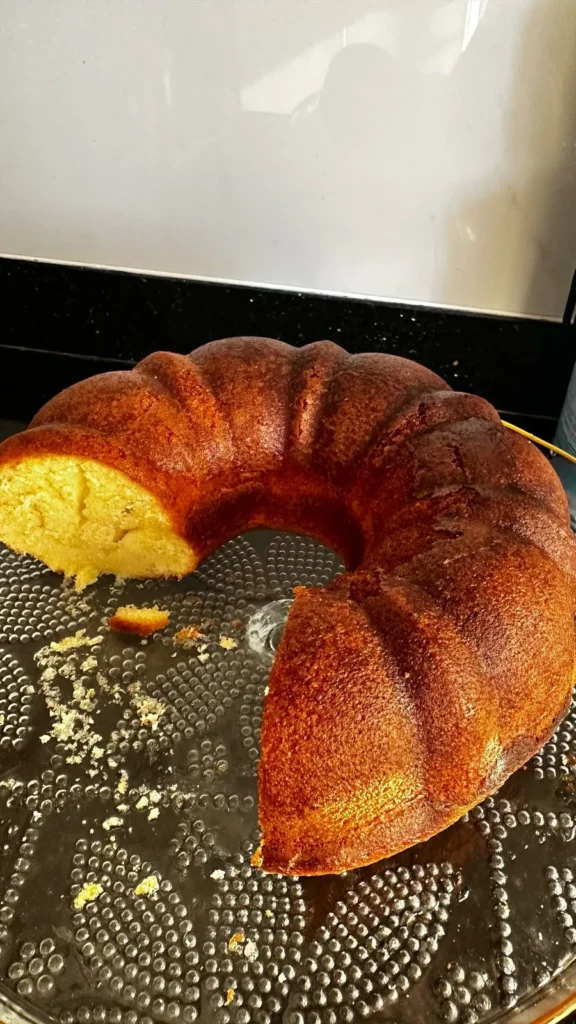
(228, 643)
(113, 822)
(189, 635)
(147, 886)
(72, 721)
(238, 943)
(70, 643)
(148, 709)
(235, 942)
(90, 891)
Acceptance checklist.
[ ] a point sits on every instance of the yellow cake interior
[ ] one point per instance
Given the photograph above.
(83, 519)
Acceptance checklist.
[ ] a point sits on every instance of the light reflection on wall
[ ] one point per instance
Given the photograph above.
(413, 149)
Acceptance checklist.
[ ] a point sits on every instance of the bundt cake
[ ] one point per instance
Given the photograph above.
(411, 686)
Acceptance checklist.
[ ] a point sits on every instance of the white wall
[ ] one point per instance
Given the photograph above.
(415, 149)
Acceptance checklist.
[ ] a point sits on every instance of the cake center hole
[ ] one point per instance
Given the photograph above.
(265, 627)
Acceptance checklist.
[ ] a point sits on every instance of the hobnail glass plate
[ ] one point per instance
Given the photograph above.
(128, 818)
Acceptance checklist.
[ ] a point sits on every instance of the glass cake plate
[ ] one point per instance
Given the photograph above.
(128, 818)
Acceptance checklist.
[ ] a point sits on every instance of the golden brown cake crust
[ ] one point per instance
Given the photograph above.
(410, 687)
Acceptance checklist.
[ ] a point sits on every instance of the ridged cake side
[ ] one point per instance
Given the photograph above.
(468, 582)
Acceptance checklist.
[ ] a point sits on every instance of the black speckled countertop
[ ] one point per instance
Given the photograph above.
(63, 323)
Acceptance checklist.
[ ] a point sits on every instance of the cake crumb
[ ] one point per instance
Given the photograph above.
(268, 913)
(235, 942)
(147, 887)
(70, 643)
(139, 621)
(217, 875)
(227, 643)
(106, 687)
(203, 658)
(113, 822)
(188, 635)
(229, 996)
(72, 721)
(148, 709)
(122, 782)
(90, 891)
(153, 813)
(89, 664)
